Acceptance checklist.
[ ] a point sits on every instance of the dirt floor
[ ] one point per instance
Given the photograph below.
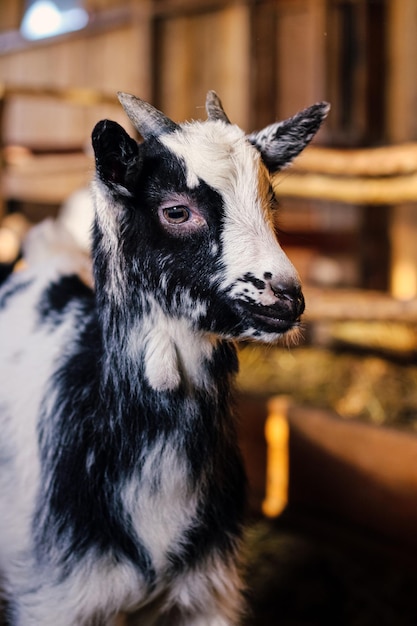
(309, 572)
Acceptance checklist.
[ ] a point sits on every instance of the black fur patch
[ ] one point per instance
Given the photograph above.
(82, 509)
(12, 288)
(256, 282)
(58, 296)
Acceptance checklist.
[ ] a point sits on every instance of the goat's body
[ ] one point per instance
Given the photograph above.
(121, 482)
(128, 509)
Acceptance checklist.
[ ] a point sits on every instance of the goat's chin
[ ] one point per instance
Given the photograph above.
(292, 337)
(288, 338)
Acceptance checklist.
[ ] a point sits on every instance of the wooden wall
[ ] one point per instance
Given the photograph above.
(401, 126)
(10, 14)
(266, 58)
(196, 51)
(102, 58)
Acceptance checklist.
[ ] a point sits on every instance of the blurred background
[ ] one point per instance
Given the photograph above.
(267, 59)
(328, 429)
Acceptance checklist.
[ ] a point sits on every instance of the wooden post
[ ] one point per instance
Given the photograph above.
(401, 94)
(277, 472)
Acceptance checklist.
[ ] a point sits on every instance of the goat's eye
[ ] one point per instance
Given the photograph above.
(176, 214)
(180, 217)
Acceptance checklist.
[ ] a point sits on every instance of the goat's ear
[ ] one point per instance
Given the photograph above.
(117, 155)
(281, 142)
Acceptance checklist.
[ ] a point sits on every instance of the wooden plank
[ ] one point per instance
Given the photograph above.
(175, 62)
(355, 304)
(403, 234)
(354, 190)
(198, 52)
(263, 69)
(299, 48)
(69, 70)
(47, 179)
(10, 14)
(181, 7)
(389, 160)
(401, 97)
(346, 73)
(401, 88)
(82, 96)
(352, 471)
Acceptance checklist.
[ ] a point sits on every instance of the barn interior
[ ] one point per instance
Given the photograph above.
(328, 427)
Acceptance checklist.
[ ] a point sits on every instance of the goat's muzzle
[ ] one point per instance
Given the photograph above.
(280, 316)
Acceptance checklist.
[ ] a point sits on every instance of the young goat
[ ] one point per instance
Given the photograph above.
(121, 484)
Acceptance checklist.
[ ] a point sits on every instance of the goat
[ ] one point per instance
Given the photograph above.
(122, 487)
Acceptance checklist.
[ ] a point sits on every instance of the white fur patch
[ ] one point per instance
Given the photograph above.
(29, 355)
(172, 351)
(99, 587)
(107, 214)
(162, 507)
(209, 150)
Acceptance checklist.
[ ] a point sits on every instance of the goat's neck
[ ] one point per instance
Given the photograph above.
(141, 340)
(172, 353)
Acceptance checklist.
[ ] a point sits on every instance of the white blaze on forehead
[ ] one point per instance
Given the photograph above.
(220, 155)
(211, 152)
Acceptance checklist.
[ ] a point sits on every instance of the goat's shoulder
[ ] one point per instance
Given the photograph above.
(43, 290)
(43, 310)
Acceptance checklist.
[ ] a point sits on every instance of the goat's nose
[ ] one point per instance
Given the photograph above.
(289, 294)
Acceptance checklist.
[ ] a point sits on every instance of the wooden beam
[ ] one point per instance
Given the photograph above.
(354, 190)
(73, 95)
(325, 305)
(394, 160)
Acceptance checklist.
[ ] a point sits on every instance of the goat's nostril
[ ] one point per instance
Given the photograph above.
(291, 294)
(287, 292)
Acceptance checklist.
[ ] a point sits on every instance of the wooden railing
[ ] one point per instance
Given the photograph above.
(377, 176)
(385, 176)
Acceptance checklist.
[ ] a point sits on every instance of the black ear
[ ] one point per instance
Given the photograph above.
(117, 155)
(281, 142)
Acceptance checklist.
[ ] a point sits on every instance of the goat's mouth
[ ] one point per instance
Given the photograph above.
(269, 318)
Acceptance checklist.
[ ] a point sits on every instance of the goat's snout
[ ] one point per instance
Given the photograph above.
(289, 297)
(279, 311)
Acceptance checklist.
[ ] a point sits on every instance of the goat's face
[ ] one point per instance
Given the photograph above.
(187, 217)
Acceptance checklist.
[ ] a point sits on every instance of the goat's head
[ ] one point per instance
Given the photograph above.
(185, 219)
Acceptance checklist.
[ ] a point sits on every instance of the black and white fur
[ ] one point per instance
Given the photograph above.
(121, 484)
